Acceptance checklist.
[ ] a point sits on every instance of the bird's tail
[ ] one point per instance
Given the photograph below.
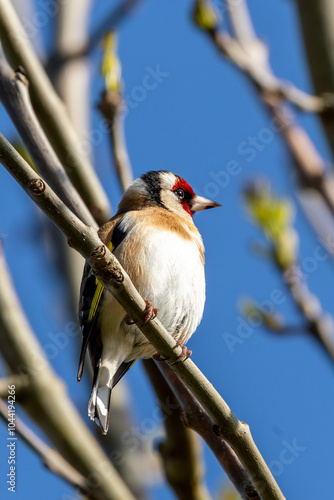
(98, 406)
(99, 401)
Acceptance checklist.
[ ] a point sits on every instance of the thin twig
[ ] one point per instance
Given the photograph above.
(111, 106)
(251, 55)
(319, 323)
(53, 460)
(316, 184)
(255, 65)
(309, 164)
(110, 273)
(52, 114)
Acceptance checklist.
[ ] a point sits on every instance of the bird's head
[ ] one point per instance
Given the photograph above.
(166, 190)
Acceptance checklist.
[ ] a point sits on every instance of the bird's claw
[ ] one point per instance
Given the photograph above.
(185, 354)
(150, 313)
(129, 321)
(157, 357)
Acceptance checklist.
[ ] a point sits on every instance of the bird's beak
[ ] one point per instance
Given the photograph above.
(199, 203)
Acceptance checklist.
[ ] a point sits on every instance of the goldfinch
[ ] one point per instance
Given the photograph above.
(154, 238)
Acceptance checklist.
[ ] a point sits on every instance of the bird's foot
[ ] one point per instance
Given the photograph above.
(157, 357)
(129, 321)
(150, 313)
(185, 354)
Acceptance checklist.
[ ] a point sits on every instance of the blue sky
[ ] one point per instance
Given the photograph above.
(197, 122)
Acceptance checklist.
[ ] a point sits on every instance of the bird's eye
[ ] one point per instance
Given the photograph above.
(180, 193)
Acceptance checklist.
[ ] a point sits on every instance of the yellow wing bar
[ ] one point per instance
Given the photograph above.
(97, 294)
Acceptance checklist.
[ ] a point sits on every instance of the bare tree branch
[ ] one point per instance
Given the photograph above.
(317, 21)
(255, 65)
(109, 272)
(52, 114)
(274, 217)
(50, 457)
(319, 323)
(310, 166)
(308, 162)
(20, 382)
(112, 107)
(47, 402)
(195, 417)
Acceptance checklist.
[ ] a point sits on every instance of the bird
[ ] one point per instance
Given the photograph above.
(154, 238)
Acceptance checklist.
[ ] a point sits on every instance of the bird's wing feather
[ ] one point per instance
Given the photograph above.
(92, 292)
(122, 371)
(91, 295)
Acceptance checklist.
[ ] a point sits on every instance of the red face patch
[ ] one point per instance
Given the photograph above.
(188, 193)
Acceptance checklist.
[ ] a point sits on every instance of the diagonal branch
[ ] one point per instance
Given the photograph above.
(110, 273)
(169, 387)
(180, 450)
(196, 418)
(319, 323)
(53, 460)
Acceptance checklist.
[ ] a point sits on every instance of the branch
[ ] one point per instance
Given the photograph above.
(52, 114)
(255, 65)
(310, 166)
(109, 272)
(180, 451)
(319, 323)
(274, 216)
(196, 418)
(47, 402)
(112, 106)
(20, 382)
(50, 457)
(15, 97)
(110, 21)
(317, 22)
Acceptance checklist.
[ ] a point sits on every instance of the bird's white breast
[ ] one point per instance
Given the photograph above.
(168, 270)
